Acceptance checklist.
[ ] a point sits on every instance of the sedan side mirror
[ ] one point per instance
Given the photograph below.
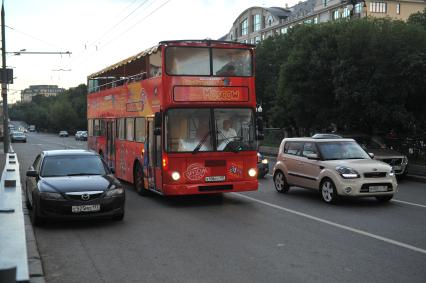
(32, 173)
(371, 155)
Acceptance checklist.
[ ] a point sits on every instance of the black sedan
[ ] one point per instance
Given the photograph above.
(262, 166)
(72, 183)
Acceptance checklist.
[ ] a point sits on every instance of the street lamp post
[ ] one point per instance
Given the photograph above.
(4, 85)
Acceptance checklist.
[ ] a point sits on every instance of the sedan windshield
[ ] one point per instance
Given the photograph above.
(68, 165)
(341, 150)
(220, 129)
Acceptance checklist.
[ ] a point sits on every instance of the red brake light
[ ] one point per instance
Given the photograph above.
(165, 162)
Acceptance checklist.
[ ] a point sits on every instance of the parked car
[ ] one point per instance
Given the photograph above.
(326, 136)
(84, 136)
(81, 136)
(63, 134)
(376, 146)
(72, 184)
(334, 167)
(262, 166)
(17, 136)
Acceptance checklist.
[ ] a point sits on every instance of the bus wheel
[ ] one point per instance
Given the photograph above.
(138, 181)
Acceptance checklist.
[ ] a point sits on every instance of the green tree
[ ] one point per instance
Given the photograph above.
(418, 18)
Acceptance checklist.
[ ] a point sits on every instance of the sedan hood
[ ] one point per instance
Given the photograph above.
(382, 153)
(361, 165)
(77, 183)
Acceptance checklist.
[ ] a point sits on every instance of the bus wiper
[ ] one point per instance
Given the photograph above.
(203, 140)
(234, 147)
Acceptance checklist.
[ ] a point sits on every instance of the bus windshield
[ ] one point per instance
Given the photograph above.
(195, 61)
(210, 129)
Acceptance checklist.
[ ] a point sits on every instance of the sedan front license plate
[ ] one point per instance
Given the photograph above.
(373, 189)
(215, 179)
(85, 208)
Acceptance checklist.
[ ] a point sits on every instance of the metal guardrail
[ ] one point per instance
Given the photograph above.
(13, 248)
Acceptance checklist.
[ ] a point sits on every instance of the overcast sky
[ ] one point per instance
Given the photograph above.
(100, 33)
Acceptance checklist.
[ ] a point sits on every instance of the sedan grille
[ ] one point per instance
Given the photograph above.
(84, 196)
(393, 161)
(375, 175)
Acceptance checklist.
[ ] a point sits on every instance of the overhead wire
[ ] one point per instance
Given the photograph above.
(127, 30)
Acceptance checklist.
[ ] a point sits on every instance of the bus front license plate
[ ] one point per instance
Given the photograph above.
(215, 179)
(85, 208)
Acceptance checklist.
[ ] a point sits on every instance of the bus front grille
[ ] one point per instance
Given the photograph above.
(215, 188)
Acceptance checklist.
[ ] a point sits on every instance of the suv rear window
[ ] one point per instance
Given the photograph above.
(293, 148)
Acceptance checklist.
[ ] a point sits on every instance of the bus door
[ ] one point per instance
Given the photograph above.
(154, 169)
(110, 144)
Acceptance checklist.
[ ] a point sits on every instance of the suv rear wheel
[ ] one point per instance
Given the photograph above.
(328, 191)
(280, 182)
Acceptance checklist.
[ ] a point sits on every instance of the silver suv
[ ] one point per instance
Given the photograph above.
(334, 167)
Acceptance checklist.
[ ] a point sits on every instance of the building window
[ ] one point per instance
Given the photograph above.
(256, 22)
(345, 13)
(358, 8)
(270, 20)
(231, 35)
(398, 8)
(336, 14)
(315, 20)
(244, 27)
(378, 7)
(284, 30)
(325, 3)
(257, 39)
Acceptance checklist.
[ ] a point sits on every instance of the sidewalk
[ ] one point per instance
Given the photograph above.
(33, 261)
(415, 172)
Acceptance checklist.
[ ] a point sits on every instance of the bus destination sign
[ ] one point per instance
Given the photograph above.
(210, 94)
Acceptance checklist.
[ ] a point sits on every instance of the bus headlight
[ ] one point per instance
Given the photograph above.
(252, 172)
(175, 176)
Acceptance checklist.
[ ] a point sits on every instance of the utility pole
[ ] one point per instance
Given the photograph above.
(4, 84)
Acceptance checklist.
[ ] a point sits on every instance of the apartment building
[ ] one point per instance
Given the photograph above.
(257, 23)
(45, 90)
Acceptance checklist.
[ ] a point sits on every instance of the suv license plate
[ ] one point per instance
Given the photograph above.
(373, 189)
(85, 208)
(215, 178)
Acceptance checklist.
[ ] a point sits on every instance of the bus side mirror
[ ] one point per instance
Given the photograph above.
(259, 124)
(157, 123)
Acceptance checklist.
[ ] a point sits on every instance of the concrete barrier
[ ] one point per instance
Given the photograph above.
(13, 248)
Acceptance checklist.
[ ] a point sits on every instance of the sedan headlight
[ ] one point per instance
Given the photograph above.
(405, 160)
(51, 195)
(114, 192)
(347, 172)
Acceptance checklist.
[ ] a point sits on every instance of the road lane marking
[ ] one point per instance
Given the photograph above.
(331, 223)
(394, 200)
(409, 203)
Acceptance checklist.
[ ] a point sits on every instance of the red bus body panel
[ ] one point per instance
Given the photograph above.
(144, 98)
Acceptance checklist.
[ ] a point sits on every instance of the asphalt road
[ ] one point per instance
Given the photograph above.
(259, 236)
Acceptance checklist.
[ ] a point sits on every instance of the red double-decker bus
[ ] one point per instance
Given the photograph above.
(178, 118)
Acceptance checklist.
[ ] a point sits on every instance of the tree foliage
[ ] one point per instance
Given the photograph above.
(362, 75)
(66, 111)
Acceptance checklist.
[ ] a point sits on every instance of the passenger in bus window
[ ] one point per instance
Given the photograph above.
(226, 134)
(227, 131)
(202, 139)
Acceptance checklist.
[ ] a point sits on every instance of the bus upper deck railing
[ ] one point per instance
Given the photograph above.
(120, 82)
